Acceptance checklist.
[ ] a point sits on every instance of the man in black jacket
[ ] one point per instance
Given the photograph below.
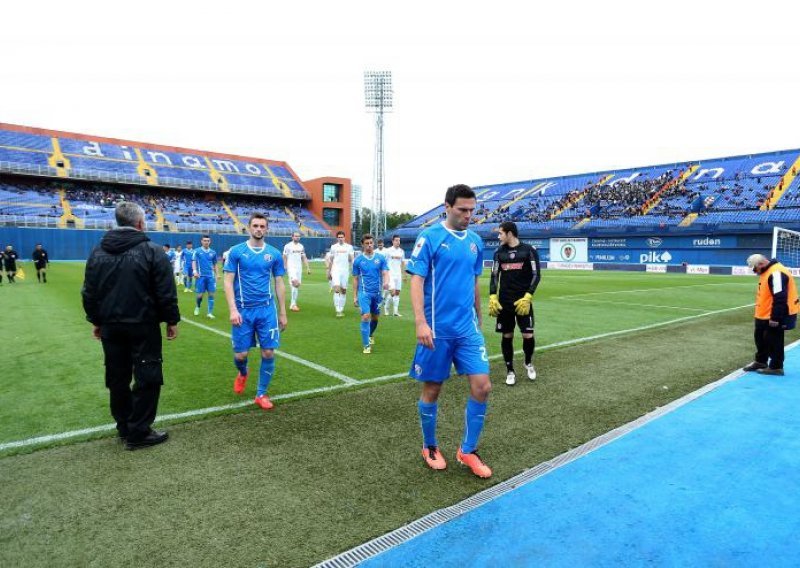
(128, 290)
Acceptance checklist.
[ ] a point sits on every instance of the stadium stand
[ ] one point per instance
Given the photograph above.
(67, 181)
(757, 190)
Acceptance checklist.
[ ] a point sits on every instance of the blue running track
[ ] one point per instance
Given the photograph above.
(715, 482)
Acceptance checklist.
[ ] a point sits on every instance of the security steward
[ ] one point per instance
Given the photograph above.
(515, 275)
(128, 290)
(777, 305)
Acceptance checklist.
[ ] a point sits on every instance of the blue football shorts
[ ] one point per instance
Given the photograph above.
(468, 354)
(205, 284)
(259, 327)
(369, 303)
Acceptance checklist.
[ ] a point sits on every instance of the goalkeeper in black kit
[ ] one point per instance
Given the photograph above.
(515, 275)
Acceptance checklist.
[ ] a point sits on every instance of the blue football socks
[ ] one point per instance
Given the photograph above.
(372, 325)
(265, 375)
(365, 333)
(427, 418)
(474, 415)
(241, 366)
(210, 304)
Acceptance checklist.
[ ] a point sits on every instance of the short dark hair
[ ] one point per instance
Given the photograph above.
(509, 227)
(365, 237)
(257, 216)
(189, 243)
(166, 245)
(457, 191)
(339, 233)
(205, 237)
(395, 237)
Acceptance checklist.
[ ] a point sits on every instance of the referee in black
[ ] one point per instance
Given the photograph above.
(40, 261)
(515, 275)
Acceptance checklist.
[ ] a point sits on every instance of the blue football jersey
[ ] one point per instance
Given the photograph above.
(449, 261)
(205, 259)
(253, 271)
(370, 273)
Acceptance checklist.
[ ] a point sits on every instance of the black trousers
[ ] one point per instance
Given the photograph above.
(133, 351)
(769, 344)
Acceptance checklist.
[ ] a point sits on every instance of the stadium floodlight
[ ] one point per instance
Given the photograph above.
(378, 96)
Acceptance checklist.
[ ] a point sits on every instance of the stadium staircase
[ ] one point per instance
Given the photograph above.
(780, 188)
(279, 185)
(160, 220)
(236, 222)
(655, 199)
(67, 217)
(507, 206)
(144, 169)
(688, 220)
(581, 223)
(220, 180)
(574, 201)
(58, 160)
(301, 227)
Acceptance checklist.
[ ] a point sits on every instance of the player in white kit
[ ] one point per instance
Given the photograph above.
(294, 256)
(341, 264)
(396, 259)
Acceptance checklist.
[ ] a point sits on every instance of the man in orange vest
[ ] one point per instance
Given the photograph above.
(777, 305)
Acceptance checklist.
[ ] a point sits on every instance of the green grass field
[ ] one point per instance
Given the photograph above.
(327, 469)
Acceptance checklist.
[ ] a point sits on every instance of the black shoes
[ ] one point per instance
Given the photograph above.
(778, 372)
(153, 438)
(754, 366)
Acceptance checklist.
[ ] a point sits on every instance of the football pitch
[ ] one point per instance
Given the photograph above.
(337, 462)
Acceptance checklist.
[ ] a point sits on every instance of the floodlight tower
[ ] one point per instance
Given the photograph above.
(378, 98)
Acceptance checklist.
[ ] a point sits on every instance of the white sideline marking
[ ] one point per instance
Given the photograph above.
(285, 355)
(653, 289)
(599, 301)
(203, 411)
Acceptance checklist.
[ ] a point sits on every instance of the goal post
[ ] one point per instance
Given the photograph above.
(786, 246)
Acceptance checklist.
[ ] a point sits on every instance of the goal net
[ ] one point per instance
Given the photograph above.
(786, 247)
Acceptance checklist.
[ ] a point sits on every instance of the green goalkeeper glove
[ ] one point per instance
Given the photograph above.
(523, 305)
(494, 306)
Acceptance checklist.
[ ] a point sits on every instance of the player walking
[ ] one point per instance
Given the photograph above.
(444, 267)
(341, 264)
(177, 263)
(188, 269)
(396, 258)
(515, 275)
(205, 267)
(370, 279)
(257, 307)
(294, 256)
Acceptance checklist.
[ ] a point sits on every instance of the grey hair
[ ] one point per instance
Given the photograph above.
(128, 214)
(755, 259)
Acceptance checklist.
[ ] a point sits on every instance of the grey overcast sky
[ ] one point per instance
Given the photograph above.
(485, 92)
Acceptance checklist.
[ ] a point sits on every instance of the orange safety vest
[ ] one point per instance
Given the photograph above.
(764, 293)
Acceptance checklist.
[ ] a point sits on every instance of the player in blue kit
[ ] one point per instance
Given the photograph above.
(186, 265)
(444, 267)
(257, 307)
(370, 279)
(205, 269)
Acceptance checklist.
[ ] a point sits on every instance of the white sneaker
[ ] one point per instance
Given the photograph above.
(197, 311)
(531, 371)
(210, 316)
(511, 378)
(397, 315)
